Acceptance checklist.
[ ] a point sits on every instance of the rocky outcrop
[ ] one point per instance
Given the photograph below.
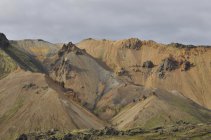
(61, 71)
(132, 43)
(180, 46)
(148, 64)
(167, 65)
(70, 47)
(186, 66)
(4, 42)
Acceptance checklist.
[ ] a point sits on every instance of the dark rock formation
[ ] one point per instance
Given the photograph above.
(4, 42)
(22, 137)
(148, 64)
(168, 64)
(30, 86)
(70, 47)
(110, 131)
(178, 45)
(186, 66)
(68, 137)
(132, 43)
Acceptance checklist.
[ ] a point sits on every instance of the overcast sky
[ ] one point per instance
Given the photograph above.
(166, 21)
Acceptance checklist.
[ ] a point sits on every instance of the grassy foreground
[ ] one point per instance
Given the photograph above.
(181, 130)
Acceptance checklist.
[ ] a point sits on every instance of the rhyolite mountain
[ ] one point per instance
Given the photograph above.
(96, 83)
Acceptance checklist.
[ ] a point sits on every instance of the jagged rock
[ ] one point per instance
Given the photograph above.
(70, 47)
(148, 64)
(22, 137)
(132, 43)
(186, 66)
(168, 64)
(4, 42)
(110, 131)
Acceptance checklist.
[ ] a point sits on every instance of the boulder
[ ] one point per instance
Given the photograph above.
(168, 64)
(132, 43)
(186, 65)
(148, 64)
(22, 137)
(68, 137)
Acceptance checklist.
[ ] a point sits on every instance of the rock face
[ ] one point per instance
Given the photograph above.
(4, 42)
(168, 64)
(132, 43)
(186, 66)
(70, 47)
(148, 64)
(61, 71)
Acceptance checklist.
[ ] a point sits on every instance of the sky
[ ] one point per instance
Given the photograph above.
(164, 21)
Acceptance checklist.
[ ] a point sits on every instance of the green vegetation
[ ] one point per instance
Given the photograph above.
(155, 121)
(11, 112)
(7, 65)
(24, 60)
(197, 113)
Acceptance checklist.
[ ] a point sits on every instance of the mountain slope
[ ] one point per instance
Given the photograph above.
(40, 49)
(7, 65)
(190, 71)
(35, 106)
(160, 109)
(76, 70)
(127, 83)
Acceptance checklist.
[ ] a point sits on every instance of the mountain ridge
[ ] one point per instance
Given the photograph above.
(96, 83)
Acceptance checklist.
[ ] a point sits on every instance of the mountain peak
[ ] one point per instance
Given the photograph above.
(4, 42)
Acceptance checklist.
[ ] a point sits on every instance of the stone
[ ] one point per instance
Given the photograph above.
(70, 47)
(110, 131)
(148, 64)
(168, 64)
(22, 137)
(186, 65)
(68, 137)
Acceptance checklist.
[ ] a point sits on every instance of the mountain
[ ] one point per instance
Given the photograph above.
(187, 67)
(125, 84)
